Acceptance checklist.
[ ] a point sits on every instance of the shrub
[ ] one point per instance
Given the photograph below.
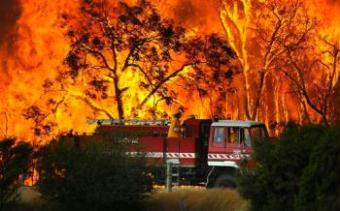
(320, 182)
(274, 183)
(94, 176)
(14, 166)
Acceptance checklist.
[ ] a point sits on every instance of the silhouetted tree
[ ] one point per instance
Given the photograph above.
(42, 125)
(113, 44)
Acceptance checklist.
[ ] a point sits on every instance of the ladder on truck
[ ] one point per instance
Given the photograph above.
(172, 174)
(175, 174)
(129, 122)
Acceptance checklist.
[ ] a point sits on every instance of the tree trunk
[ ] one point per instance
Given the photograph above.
(259, 94)
(245, 94)
(118, 98)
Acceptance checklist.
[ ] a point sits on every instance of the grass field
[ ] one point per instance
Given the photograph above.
(181, 198)
(196, 199)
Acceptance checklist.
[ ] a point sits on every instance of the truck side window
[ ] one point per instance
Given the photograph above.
(219, 135)
(247, 137)
(233, 135)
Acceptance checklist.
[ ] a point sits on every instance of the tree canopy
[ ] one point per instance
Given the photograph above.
(123, 52)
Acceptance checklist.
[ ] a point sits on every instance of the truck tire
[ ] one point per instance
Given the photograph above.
(225, 181)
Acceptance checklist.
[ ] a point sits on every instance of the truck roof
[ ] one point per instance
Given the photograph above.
(236, 123)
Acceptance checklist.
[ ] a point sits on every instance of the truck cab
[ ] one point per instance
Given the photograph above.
(230, 143)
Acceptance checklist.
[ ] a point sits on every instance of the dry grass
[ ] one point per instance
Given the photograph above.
(196, 199)
(28, 199)
(181, 198)
(28, 195)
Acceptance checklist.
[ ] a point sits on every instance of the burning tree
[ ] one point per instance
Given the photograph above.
(121, 52)
(279, 51)
(314, 77)
(265, 37)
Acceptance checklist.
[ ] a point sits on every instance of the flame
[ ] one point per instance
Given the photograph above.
(34, 46)
(244, 21)
(236, 18)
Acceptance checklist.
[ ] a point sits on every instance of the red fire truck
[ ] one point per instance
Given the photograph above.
(202, 151)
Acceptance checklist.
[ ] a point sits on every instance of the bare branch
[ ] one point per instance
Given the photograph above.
(58, 104)
(93, 105)
(303, 89)
(166, 79)
(99, 54)
(142, 71)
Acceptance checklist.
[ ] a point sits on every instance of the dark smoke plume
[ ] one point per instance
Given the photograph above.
(10, 11)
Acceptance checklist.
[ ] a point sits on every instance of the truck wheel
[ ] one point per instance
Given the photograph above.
(225, 181)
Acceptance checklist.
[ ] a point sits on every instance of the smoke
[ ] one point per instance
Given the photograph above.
(10, 12)
(185, 10)
(336, 2)
(203, 16)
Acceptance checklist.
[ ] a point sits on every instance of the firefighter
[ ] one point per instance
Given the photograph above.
(233, 135)
(175, 126)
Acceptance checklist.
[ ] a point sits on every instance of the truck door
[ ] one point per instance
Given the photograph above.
(225, 145)
(233, 141)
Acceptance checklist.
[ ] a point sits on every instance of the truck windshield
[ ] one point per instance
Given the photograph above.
(254, 133)
(219, 136)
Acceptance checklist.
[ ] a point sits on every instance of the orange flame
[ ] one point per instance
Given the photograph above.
(33, 47)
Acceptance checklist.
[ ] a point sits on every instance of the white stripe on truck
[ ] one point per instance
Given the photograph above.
(234, 156)
(225, 163)
(161, 154)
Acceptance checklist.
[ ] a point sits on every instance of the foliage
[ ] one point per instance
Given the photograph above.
(320, 182)
(41, 126)
(14, 167)
(274, 183)
(93, 176)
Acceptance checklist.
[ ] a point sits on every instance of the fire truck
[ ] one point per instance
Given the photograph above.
(201, 151)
